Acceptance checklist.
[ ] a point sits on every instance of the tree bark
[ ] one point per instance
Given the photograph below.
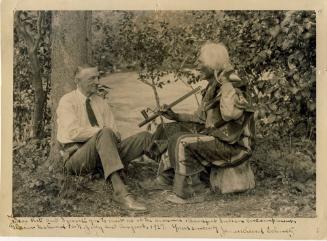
(39, 98)
(70, 32)
(32, 44)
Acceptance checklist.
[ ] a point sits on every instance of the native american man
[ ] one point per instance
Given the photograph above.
(220, 133)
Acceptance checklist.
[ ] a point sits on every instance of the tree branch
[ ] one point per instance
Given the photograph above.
(146, 82)
(156, 96)
(184, 60)
(20, 27)
(185, 83)
(23, 31)
(40, 20)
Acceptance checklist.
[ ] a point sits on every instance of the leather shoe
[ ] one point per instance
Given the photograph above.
(128, 202)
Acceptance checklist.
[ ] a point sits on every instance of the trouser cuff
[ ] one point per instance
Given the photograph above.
(112, 169)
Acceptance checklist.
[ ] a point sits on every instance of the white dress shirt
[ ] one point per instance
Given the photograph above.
(72, 119)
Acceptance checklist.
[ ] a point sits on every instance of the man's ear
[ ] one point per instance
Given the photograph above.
(76, 80)
(79, 70)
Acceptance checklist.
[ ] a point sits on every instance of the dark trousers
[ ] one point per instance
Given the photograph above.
(103, 149)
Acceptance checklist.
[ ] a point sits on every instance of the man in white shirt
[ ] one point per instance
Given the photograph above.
(85, 119)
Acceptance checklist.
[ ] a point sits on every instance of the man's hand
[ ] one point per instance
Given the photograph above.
(102, 90)
(168, 113)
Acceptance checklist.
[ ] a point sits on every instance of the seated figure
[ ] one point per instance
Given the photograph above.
(215, 141)
(86, 124)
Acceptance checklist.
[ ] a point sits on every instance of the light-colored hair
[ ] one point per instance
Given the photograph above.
(215, 56)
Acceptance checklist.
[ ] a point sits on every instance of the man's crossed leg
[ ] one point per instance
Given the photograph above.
(105, 149)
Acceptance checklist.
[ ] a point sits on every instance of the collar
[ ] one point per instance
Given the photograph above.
(80, 95)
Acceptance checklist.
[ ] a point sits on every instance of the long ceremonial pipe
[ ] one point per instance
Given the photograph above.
(152, 117)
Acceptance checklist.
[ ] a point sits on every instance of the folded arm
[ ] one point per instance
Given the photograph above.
(69, 129)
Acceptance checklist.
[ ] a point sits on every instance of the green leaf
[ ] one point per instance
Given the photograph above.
(294, 90)
(286, 44)
(271, 118)
(311, 106)
(273, 107)
(261, 84)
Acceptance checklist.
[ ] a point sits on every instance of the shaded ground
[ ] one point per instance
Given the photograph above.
(285, 176)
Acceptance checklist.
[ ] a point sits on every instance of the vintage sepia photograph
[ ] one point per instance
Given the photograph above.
(166, 113)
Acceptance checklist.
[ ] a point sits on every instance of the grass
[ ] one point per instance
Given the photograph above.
(285, 178)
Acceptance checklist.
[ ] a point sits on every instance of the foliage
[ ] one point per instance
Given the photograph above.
(24, 96)
(273, 50)
(147, 45)
(288, 160)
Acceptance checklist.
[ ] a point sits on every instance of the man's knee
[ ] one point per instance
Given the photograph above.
(145, 139)
(145, 135)
(106, 132)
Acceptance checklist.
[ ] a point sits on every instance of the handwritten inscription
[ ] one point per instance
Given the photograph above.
(216, 227)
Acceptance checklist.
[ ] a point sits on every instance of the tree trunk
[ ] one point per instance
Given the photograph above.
(32, 44)
(70, 32)
(39, 97)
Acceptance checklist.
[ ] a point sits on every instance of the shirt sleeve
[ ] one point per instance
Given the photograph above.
(69, 129)
(109, 119)
(227, 102)
(196, 117)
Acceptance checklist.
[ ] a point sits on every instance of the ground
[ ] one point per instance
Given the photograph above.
(285, 175)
